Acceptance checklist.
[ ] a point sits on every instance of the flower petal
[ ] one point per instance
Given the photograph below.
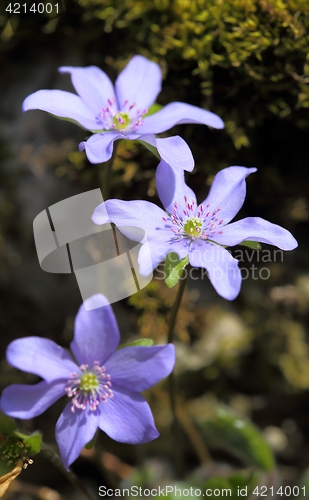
(256, 229)
(127, 417)
(62, 104)
(40, 356)
(139, 368)
(74, 431)
(28, 401)
(155, 250)
(173, 150)
(139, 83)
(228, 191)
(96, 333)
(172, 188)
(136, 213)
(151, 254)
(223, 271)
(176, 113)
(92, 85)
(99, 147)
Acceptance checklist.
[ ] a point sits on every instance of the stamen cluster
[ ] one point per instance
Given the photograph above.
(128, 118)
(193, 222)
(89, 386)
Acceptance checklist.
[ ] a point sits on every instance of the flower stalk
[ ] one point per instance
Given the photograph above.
(107, 174)
(179, 459)
(176, 306)
(53, 456)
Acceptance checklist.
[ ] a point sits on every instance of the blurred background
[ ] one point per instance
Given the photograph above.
(243, 366)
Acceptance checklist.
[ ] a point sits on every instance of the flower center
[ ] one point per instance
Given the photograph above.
(89, 382)
(193, 221)
(89, 387)
(121, 121)
(193, 226)
(127, 118)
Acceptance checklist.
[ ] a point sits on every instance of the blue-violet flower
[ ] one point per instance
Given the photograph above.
(119, 113)
(103, 385)
(199, 231)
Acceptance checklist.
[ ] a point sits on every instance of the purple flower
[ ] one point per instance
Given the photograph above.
(119, 113)
(103, 385)
(199, 232)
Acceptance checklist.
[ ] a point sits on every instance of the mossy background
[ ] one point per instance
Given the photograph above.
(247, 61)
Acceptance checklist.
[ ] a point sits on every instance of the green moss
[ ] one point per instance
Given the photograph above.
(242, 51)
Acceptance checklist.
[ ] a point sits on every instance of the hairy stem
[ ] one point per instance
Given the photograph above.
(175, 308)
(107, 173)
(53, 456)
(179, 458)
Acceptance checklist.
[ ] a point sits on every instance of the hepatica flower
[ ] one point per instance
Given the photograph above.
(197, 231)
(103, 385)
(120, 112)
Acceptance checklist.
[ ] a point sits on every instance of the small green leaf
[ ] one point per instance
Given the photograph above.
(6, 425)
(153, 109)
(173, 268)
(255, 245)
(91, 443)
(32, 442)
(151, 148)
(240, 437)
(144, 342)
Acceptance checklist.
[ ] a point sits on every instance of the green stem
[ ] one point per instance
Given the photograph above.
(179, 458)
(51, 454)
(176, 305)
(107, 173)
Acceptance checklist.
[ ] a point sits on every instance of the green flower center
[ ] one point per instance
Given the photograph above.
(121, 121)
(89, 382)
(91, 388)
(193, 226)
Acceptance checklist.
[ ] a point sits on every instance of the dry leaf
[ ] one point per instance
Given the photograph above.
(6, 480)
